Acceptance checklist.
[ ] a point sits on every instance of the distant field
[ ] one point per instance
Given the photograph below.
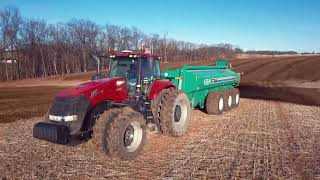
(25, 102)
(299, 68)
(291, 79)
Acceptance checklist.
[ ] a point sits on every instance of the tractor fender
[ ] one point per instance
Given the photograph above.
(158, 86)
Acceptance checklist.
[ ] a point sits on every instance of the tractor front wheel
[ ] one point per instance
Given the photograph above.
(120, 133)
(174, 115)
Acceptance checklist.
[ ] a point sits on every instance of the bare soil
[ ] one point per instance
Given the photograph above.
(25, 102)
(303, 68)
(307, 96)
(259, 140)
(290, 79)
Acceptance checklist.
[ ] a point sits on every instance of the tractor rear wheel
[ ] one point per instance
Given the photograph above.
(235, 97)
(120, 133)
(215, 103)
(156, 106)
(228, 99)
(174, 113)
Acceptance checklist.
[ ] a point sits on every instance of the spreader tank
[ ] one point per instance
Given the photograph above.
(198, 81)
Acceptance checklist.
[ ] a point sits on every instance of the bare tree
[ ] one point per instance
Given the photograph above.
(113, 34)
(84, 34)
(124, 39)
(136, 38)
(163, 47)
(34, 36)
(10, 22)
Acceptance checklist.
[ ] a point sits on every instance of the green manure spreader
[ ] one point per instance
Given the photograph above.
(211, 87)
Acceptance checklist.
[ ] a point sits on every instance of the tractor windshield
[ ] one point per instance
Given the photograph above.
(124, 67)
(128, 68)
(150, 68)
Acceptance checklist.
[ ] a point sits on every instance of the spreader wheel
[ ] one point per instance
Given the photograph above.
(228, 99)
(235, 97)
(215, 103)
(174, 115)
(120, 133)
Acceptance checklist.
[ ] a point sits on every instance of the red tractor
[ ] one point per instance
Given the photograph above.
(116, 109)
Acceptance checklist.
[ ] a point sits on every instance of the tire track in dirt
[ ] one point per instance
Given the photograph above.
(194, 152)
(310, 70)
(285, 67)
(303, 127)
(262, 65)
(253, 160)
(240, 62)
(218, 151)
(257, 61)
(256, 144)
(290, 145)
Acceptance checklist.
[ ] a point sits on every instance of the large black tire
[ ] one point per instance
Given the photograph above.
(235, 97)
(174, 113)
(228, 99)
(215, 103)
(156, 106)
(112, 128)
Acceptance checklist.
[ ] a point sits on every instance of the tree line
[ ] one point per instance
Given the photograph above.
(266, 52)
(31, 48)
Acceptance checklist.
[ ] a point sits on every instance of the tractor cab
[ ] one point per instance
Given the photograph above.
(139, 70)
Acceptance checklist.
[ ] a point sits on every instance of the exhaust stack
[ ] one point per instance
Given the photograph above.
(98, 63)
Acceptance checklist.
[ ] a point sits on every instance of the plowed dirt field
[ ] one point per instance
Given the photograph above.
(260, 139)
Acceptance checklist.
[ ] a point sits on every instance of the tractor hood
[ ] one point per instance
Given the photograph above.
(70, 106)
(88, 87)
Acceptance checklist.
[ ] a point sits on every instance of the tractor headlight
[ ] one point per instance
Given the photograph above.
(63, 118)
(119, 83)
